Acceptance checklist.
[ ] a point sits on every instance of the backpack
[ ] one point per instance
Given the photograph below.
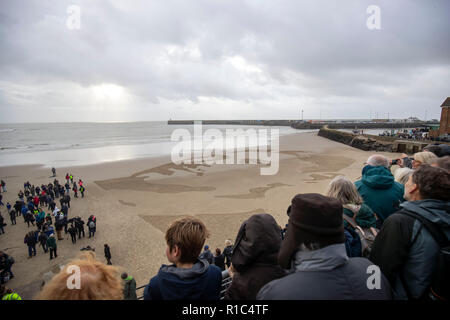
(352, 243)
(440, 283)
(366, 235)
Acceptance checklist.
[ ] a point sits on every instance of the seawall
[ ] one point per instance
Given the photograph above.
(373, 143)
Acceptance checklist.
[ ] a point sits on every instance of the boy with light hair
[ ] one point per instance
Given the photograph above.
(187, 278)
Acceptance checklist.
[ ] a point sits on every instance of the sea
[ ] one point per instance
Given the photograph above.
(77, 144)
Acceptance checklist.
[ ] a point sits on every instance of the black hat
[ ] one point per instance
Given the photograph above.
(312, 218)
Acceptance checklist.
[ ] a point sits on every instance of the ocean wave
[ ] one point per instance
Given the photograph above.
(7, 130)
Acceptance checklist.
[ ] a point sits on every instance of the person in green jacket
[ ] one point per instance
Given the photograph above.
(129, 289)
(379, 189)
(51, 244)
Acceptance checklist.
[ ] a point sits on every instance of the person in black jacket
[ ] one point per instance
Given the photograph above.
(219, 259)
(12, 216)
(30, 240)
(314, 251)
(43, 241)
(73, 233)
(79, 223)
(404, 248)
(107, 254)
(1, 224)
(207, 255)
(227, 252)
(255, 257)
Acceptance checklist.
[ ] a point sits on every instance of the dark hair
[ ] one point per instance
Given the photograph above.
(218, 252)
(124, 275)
(433, 182)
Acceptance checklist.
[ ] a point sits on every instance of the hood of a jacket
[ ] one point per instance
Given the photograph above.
(436, 211)
(258, 241)
(377, 177)
(324, 259)
(179, 283)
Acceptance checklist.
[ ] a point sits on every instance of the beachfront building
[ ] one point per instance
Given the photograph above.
(444, 126)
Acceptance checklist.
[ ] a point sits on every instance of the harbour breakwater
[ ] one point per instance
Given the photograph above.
(307, 125)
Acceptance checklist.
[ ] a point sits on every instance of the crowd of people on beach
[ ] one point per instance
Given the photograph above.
(394, 219)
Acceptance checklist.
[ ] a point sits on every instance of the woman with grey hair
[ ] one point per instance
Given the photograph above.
(345, 191)
(401, 175)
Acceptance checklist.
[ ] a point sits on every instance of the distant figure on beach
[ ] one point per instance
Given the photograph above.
(75, 190)
(2, 224)
(227, 252)
(43, 241)
(12, 216)
(207, 255)
(30, 240)
(92, 228)
(129, 287)
(67, 177)
(108, 254)
(1, 197)
(71, 178)
(51, 244)
(80, 182)
(3, 184)
(54, 172)
(219, 259)
(82, 189)
(73, 233)
(79, 223)
(188, 277)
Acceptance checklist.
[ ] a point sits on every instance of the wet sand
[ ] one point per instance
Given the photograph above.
(136, 200)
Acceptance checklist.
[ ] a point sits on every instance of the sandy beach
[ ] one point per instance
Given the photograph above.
(135, 201)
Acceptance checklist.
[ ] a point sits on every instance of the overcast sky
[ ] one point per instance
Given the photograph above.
(222, 59)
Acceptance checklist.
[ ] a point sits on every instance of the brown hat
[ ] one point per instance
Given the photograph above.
(312, 218)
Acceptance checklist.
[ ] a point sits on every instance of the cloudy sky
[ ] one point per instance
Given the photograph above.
(221, 59)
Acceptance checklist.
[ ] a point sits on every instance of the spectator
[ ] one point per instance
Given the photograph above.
(345, 191)
(73, 233)
(207, 255)
(440, 150)
(6, 263)
(8, 294)
(43, 241)
(108, 254)
(219, 260)
(255, 257)
(443, 163)
(378, 189)
(401, 175)
(92, 228)
(421, 158)
(188, 278)
(79, 223)
(404, 249)
(227, 252)
(358, 241)
(98, 281)
(12, 216)
(51, 244)
(314, 250)
(2, 223)
(129, 288)
(30, 240)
